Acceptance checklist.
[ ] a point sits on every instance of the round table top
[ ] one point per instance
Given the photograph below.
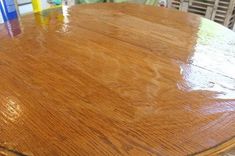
(115, 79)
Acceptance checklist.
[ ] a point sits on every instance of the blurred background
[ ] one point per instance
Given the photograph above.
(220, 11)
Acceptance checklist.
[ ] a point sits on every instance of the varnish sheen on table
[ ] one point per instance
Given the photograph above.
(116, 79)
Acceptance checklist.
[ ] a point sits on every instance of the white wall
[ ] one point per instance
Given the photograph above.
(23, 1)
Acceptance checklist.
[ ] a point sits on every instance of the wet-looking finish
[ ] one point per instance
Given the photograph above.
(115, 79)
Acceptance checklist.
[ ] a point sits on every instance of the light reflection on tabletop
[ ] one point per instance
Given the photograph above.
(12, 109)
(13, 27)
(215, 53)
(215, 49)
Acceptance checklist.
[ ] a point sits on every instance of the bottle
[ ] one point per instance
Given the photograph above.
(162, 3)
(69, 2)
(39, 5)
(1, 18)
(8, 10)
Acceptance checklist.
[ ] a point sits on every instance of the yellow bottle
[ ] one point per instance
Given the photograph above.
(39, 5)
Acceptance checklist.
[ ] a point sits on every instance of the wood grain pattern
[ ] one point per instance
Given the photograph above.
(116, 79)
(227, 148)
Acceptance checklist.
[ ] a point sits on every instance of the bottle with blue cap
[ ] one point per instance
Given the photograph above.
(8, 10)
(1, 18)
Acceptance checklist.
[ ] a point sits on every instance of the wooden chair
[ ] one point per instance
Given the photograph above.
(220, 11)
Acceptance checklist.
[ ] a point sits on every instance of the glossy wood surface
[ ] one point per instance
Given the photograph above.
(115, 79)
(227, 148)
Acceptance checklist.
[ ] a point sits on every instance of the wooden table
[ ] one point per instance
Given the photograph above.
(116, 79)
